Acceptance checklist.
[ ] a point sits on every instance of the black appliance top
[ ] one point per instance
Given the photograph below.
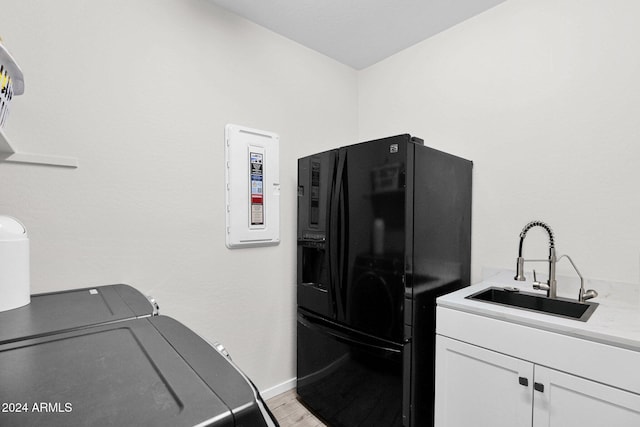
(143, 372)
(54, 312)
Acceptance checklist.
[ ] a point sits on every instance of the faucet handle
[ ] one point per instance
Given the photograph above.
(538, 285)
(587, 295)
(520, 270)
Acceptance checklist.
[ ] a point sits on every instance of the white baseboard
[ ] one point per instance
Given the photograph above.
(278, 389)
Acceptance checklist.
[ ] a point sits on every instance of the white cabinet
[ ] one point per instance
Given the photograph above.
(567, 400)
(476, 386)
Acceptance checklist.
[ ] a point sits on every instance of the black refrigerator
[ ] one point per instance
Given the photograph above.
(384, 228)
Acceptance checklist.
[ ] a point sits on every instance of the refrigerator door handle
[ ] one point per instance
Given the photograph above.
(378, 347)
(335, 232)
(343, 237)
(331, 239)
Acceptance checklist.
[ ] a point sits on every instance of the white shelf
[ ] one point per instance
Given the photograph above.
(8, 154)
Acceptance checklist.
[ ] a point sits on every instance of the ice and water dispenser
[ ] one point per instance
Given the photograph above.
(313, 256)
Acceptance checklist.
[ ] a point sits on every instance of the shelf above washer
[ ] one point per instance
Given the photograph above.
(8, 154)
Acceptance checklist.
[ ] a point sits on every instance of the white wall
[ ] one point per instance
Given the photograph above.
(140, 91)
(544, 97)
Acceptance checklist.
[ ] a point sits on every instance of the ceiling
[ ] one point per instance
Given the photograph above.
(357, 33)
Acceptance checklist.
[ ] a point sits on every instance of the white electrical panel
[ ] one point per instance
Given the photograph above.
(252, 172)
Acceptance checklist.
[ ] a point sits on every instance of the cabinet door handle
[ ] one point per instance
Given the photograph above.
(523, 381)
(538, 387)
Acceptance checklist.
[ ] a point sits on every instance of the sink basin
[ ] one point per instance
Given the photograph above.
(533, 302)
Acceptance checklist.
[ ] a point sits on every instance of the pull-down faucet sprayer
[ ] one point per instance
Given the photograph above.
(551, 285)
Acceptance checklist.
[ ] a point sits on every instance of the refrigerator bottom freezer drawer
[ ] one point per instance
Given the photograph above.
(348, 381)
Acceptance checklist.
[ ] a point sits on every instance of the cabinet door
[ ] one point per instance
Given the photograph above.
(563, 400)
(478, 387)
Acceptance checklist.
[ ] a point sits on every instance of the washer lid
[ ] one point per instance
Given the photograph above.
(11, 229)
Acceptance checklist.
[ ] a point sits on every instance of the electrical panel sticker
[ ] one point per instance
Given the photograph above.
(256, 168)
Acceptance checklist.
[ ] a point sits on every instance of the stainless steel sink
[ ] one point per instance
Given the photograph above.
(561, 307)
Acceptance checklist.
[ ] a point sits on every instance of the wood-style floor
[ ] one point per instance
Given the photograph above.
(289, 412)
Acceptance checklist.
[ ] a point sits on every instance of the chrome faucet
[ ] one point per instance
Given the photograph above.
(551, 285)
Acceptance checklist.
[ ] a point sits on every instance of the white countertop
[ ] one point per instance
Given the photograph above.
(616, 321)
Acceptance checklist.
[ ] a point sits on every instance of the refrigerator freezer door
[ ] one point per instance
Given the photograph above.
(348, 378)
